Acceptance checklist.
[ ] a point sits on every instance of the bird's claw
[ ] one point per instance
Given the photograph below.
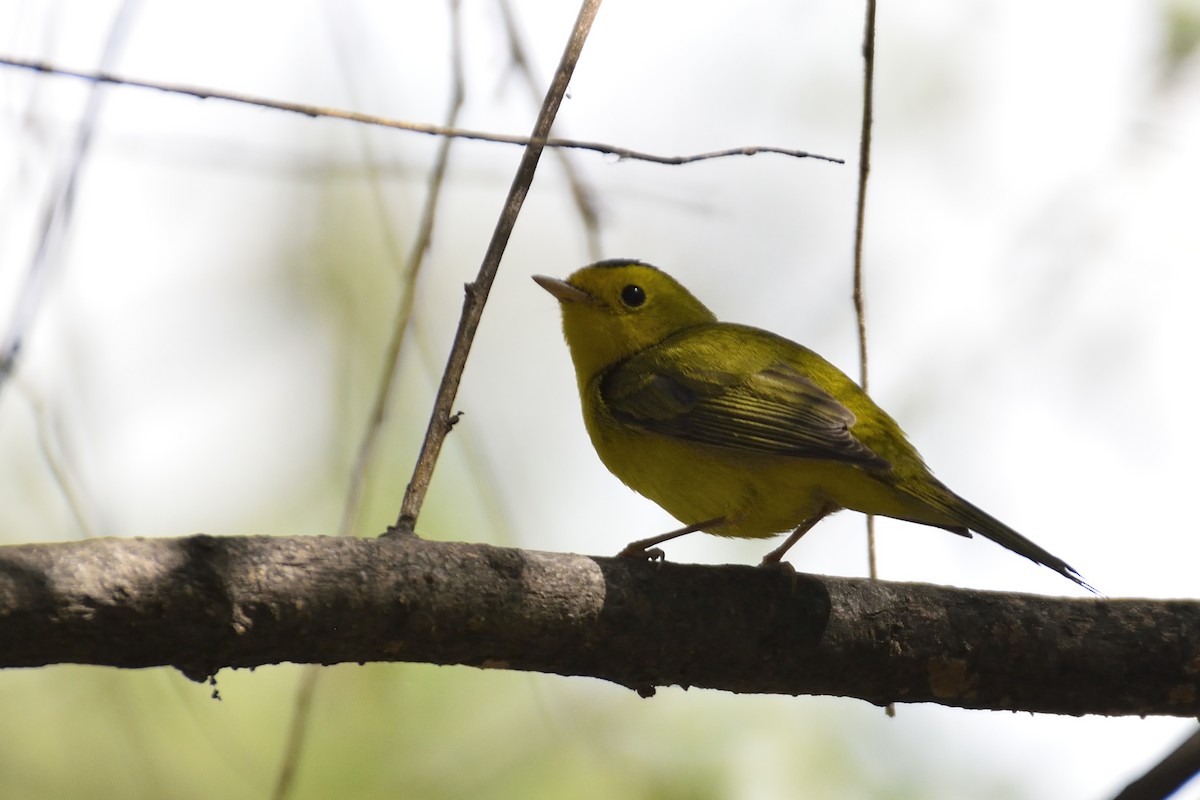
(644, 553)
(782, 566)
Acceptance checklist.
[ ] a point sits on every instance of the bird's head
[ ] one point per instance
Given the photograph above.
(613, 309)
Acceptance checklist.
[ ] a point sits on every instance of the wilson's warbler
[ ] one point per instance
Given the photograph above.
(736, 431)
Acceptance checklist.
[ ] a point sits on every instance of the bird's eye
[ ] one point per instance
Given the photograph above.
(633, 296)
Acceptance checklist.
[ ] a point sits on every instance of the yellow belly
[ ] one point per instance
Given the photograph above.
(758, 495)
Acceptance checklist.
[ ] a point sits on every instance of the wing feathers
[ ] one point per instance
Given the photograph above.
(774, 410)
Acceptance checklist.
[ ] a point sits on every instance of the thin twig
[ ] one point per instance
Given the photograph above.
(1167, 776)
(582, 194)
(365, 455)
(415, 127)
(296, 733)
(50, 445)
(864, 169)
(58, 208)
(477, 292)
(860, 309)
(412, 268)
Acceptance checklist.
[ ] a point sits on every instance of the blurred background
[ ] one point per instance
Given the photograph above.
(204, 333)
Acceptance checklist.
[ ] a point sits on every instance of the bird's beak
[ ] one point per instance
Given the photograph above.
(565, 292)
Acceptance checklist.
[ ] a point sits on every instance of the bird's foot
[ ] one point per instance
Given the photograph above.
(776, 564)
(784, 568)
(639, 550)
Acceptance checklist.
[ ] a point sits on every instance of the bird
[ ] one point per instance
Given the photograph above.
(737, 431)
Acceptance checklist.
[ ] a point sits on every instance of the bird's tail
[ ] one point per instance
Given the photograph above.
(988, 526)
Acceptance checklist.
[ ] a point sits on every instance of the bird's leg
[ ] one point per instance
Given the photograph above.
(772, 558)
(645, 548)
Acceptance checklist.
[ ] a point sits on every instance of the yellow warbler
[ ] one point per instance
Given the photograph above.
(737, 431)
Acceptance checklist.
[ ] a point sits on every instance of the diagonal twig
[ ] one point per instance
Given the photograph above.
(411, 270)
(440, 420)
(58, 209)
(364, 457)
(582, 194)
(1167, 776)
(202, 93)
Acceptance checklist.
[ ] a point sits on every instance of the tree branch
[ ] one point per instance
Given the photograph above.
(203, 603)
(476, 295)
(1167, 776)
(307, 110)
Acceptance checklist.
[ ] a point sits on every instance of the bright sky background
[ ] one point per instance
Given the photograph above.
(214, 318)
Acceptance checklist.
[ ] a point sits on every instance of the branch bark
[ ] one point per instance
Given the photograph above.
(202, 603)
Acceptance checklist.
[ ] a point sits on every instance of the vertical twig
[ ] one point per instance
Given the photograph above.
(860, 309)
(864, 169)
(477, 292)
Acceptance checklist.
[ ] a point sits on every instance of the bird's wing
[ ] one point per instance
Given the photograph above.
(775, 409)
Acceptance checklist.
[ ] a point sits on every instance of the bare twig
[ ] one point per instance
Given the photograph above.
(623, 153)
(297, 732)
(477, 292)
(365, 456)
(860, 308)
(864, 169)
(581, 193)
(1164, 778)
(56, 212)
(414, 127)
(50, 444)
(411, 270)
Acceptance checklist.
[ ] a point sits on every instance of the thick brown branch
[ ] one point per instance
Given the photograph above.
(202, 603)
